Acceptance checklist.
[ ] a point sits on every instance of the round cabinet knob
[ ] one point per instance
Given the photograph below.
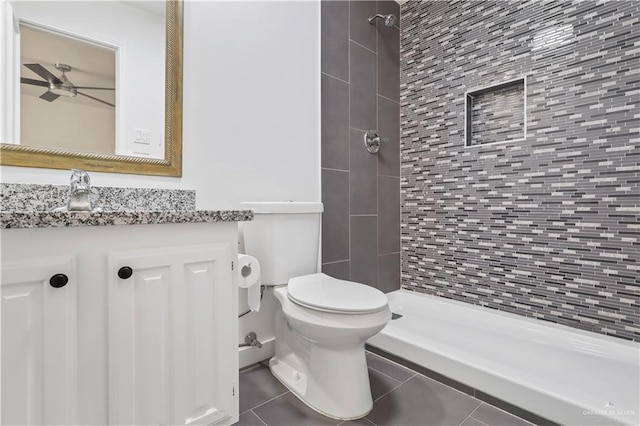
(58, 280)
(125, 272)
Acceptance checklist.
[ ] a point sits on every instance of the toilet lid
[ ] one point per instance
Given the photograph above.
(322, 292)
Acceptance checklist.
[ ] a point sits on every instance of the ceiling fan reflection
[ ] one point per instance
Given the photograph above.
(59, 86)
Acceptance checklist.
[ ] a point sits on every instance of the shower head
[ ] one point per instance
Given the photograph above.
(389, 20)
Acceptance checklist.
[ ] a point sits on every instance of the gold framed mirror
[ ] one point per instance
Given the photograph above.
(171, 165)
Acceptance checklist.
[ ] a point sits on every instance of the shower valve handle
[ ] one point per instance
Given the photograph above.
(373, 141)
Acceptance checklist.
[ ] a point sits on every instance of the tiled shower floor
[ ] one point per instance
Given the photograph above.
(401, 396)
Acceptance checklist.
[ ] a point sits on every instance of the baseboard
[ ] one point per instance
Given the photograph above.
(249, 355)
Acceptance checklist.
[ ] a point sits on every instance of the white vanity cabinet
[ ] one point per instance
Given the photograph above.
(166, 365)
(39, 340)
(143, 332)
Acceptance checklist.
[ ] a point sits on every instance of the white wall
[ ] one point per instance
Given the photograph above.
(252, 114)
(252, 100)
(251, 107)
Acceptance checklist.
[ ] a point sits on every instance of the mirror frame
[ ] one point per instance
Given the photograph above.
(25, 156)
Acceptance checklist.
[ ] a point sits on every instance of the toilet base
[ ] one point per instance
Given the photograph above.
(320, 357)
(297, 383)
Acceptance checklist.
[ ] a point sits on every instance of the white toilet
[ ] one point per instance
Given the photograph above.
(323, 322)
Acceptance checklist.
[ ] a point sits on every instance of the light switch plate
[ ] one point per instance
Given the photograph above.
(141, 136)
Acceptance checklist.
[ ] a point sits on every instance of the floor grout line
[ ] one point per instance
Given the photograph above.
(446, 385)
(393, 362)
(503, 412)
(374, 424)
(465, 419)
(482, 423)
(259, 418)
(386, 375)
(266, 402)
(387, 393)
(473, 411)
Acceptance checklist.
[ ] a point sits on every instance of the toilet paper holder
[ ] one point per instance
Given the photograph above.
(248, 311)
(245, 271)
(249, 278)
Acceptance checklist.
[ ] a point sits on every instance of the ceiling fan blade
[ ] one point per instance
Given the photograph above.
(49, 96)
(34, 82)
(96, 99)
(94, 88)
(44, 73)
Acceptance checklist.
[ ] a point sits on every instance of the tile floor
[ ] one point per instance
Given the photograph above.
(401, 397)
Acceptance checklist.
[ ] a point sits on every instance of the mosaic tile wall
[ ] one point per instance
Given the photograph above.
(546, 227)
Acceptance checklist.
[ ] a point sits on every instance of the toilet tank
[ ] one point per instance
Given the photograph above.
(284, 237)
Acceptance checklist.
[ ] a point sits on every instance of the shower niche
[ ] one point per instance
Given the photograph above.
(496, 113)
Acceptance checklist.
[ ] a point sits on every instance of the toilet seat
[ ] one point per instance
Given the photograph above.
(321, 292)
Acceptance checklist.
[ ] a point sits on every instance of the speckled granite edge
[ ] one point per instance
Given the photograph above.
(33, 197)
(40, 219)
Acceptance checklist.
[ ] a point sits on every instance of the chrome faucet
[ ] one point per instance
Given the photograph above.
(79, 193)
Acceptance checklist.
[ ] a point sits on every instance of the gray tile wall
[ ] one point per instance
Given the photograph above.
(361, 192)
(546, 227)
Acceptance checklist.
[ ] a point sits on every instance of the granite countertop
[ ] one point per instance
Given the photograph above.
(32, 205)
(50, 219)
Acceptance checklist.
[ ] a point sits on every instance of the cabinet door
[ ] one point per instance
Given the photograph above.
(170, 345)
(38, 342)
